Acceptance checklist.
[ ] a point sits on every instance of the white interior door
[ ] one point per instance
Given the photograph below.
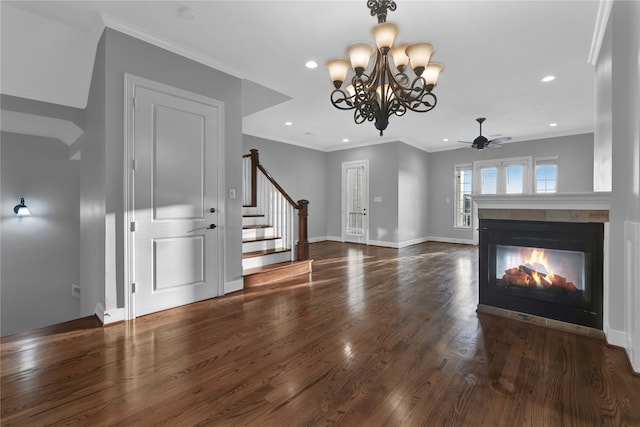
(176, 243)
(355, 201)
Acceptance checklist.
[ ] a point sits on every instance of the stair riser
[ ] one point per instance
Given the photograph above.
(256, 233)
(261, 245)
(250, 210)
(272, 276)
(259, 261)
(253, 220)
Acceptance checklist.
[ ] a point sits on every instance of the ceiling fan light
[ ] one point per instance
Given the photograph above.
(385, 34)
(338, 68)
(432, 72)
(419, 54)
(400, 58)
(359, 53)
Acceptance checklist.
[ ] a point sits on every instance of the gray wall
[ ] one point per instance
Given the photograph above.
(413, 197)
(397, 174)
(92, 190)
(119, 54)
(383, 182)
(575, 174)
(302, 174)
(40, 253)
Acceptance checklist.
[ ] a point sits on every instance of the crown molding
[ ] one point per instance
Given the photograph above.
(604, 11)
(113, 23)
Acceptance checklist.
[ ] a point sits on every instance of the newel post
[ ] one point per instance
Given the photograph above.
(255, 160)
(303, 243)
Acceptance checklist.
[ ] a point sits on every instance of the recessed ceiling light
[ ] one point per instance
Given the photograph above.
(311, 64)
(547, 79)
(186, 13)
(446, 140)
(288, 123)
(345, 139)
(553, 125)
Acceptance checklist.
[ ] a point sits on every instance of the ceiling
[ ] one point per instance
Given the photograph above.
(495, 54)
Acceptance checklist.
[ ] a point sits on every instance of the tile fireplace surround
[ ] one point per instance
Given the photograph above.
(558, 207)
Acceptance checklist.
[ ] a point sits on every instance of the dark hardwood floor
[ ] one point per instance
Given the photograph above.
(376, 337)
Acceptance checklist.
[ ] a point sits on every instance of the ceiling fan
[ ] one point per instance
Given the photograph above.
(481, 142)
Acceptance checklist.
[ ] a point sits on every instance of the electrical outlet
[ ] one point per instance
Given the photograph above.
(232, 193)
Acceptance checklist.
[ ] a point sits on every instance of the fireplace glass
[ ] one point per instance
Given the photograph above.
(551, 271)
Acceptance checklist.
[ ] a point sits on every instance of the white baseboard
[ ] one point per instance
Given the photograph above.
(622, 339)
(398, 245)
(234, 286)
(317, 239)
(615, 337)
(99, 311)
(449, 240)
(111, 316)
(394, 245)
(412, 242)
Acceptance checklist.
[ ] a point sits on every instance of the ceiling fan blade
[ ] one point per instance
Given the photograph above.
(466, 142)
(493, 145)
(500, 140)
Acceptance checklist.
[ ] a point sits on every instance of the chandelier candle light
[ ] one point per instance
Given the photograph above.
(385, 90)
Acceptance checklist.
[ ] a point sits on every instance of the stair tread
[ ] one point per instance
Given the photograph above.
(250, 227)
(273, 267)
(264, 252)
(260, 239)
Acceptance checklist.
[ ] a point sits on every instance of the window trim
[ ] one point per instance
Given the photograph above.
(457, 168)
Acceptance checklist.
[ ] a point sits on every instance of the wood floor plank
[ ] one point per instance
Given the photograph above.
(373, 337)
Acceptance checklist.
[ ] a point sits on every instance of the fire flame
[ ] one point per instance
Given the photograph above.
(538, 257)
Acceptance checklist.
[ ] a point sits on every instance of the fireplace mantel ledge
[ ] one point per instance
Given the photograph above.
(555, 201)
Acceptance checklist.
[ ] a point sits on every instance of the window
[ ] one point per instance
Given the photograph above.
(463, 196)
(546, 175)
(504, 176)
(514, 175)
(488, 180)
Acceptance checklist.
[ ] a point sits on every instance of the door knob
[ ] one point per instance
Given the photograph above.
(212, 210)
(212, 226)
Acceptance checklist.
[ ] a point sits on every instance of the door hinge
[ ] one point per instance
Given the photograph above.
(132, 226)
(133, 164)
(133, 288)
(135, 102)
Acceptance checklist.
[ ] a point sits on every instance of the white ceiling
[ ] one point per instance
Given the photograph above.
(495, 54)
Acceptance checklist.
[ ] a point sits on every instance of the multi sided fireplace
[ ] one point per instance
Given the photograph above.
(547, 269)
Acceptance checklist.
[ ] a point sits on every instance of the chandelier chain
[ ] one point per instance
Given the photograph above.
(379, 8)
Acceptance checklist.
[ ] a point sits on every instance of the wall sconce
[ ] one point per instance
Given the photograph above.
(21, 209)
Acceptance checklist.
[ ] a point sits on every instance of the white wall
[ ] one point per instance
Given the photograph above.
(619, 109)
(40, 253)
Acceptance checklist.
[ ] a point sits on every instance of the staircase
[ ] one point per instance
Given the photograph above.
(269, 254)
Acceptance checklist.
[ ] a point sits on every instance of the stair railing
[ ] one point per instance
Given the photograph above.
(260, 189)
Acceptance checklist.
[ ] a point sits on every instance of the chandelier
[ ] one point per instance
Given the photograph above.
(385, 90)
